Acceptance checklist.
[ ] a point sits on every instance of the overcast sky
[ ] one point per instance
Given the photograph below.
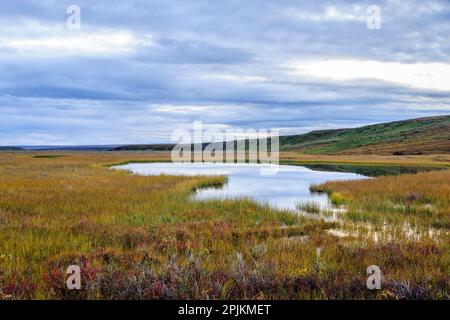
(137, 70)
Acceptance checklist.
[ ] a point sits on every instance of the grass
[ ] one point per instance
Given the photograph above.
(415, 136)
(309, 207)
(421, 199)
(48, 156)
(374, 170)
(141, 237)
(337, 199)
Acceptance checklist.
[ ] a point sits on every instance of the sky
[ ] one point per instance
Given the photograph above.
(135, 71)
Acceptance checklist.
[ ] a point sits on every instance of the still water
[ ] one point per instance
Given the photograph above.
(282, 187)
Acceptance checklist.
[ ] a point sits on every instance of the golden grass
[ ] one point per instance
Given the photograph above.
(141, 237)
(421, 199)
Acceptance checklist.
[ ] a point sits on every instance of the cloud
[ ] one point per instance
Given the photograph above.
(330, 13)
(435, 76)
(37, 39)
(136, 71)
(80, 44)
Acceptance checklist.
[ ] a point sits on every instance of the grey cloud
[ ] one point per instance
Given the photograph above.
(201, 53)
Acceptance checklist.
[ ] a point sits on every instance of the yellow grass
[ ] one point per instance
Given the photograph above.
(142, 237)
(421, 199)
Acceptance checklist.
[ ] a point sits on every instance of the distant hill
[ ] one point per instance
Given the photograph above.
(6, 148)
(59, 148)
(416, 136)
(429, 135)
(146, 147)
(71, 148)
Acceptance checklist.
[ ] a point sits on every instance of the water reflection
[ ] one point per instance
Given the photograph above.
(285, 189)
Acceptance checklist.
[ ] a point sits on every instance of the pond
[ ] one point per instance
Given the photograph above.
(282, 187)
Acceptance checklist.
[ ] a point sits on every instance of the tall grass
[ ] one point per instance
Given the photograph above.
(421, 199)
(141, 237)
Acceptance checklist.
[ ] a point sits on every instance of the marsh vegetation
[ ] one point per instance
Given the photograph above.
(141, 237)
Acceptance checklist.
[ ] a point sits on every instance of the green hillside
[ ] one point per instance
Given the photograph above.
(415, 136)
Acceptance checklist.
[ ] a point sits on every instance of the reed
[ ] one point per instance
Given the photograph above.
(141, 237)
